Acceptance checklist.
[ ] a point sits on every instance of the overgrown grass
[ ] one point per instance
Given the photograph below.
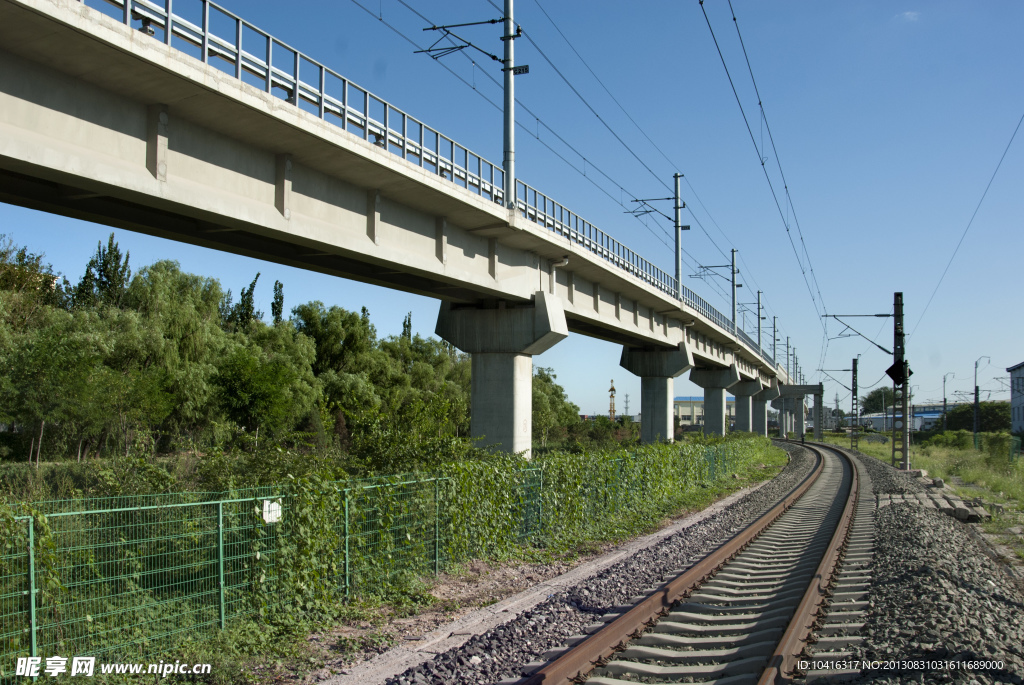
(287, 649)
(376, 542)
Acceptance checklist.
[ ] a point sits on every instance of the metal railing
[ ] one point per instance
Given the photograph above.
(275, 67)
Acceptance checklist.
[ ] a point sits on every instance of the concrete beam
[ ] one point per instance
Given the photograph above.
(657, 369)
(502, 342)
(716, 378)
(519, 330)
(801, 390)
(715, 382)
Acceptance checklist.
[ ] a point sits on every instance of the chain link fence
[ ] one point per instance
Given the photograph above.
(130, 577)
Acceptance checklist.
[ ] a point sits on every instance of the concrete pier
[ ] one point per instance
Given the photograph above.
(744, 392)
(759, 407)
(657, 370)
(715, 383)
(502, 342)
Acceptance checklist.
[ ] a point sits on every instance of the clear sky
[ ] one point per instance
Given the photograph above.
(889, 119)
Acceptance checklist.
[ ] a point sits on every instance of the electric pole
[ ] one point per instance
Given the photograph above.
(854, 408)
(611, 402)
(775, 337)
(977, 403)
(953, 374)
(734, 290)
(679, 238)
(759, 320)
(509, 158)
(900, 373)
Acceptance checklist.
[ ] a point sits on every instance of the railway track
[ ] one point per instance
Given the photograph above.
(783, 593)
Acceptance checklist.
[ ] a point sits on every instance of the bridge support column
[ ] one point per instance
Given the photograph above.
(801, 417)
(502, 343)
(744, 392)
(819, 416)
(715, 382)
(657, 370)
(782, 404)
(759, 407)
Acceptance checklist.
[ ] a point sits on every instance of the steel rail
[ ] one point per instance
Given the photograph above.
(578, 662)
(782, 664)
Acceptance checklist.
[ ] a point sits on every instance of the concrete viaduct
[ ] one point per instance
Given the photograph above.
(106, 116)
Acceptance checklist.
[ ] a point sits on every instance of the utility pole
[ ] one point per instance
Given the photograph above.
(734, 290)
(775, 337)
(951, 373)
(679, 238)
(854, 408)
(611, 402)
(900, 373)
(759, 320)
(787, 356)
(977, 403)
(509, 157)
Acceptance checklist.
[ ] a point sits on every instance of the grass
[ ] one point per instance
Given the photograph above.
(971, 473)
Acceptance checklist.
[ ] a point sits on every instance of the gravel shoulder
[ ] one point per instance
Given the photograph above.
(502, 651)
(937, 597)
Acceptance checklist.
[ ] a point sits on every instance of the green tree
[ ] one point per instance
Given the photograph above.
(277, 306)
(181, 309)
(106, 277)
(240, 315)
(876, 401)
(992, 417)
(253, 391)
(551, 406)
(341, 338)
(26, 274)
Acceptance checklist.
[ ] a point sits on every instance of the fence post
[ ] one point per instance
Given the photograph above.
(437, 526)
(32, 583)
(220, 562)
(347, 581)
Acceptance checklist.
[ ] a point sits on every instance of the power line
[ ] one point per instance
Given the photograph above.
(541, 122)
(617, 137)
(650, 140)
(771, 186)
(969, 223)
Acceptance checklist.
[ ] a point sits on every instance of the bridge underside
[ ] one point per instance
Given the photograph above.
(103, 123)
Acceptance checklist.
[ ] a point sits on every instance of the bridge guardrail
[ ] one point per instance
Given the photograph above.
(358, 111)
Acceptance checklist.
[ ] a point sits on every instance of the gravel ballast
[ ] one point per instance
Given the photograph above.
(936, 600)
(502, 652)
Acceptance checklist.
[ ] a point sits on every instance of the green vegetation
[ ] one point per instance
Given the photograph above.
(167, 366)
(125, 582)
(149, 423)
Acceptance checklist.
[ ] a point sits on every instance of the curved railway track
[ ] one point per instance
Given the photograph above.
(788, 588)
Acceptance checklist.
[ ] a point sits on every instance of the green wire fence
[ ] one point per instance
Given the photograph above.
(129, 577)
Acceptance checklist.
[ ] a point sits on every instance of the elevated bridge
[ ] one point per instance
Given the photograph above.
(141, 119)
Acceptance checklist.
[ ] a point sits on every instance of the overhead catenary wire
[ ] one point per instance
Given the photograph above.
(719, 290)
(658, 178)
(540, 122)
(586, 162)
(814, 300)
(778, 160)
(520, 124)
(969, 224)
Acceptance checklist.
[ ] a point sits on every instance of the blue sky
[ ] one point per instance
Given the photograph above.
(889, 119)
